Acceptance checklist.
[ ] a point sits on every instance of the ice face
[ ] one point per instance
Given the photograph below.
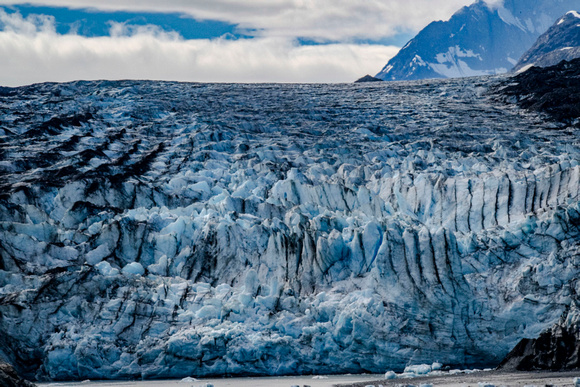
(169, 230)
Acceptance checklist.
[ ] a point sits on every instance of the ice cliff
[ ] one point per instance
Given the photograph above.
(155, 229)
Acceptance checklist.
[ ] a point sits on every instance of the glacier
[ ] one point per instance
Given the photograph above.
(159, 229)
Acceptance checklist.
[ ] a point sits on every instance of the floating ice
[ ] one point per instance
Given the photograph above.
(421, 369)
(188, 379)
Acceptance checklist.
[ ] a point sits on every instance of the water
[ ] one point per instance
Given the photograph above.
(287, 381)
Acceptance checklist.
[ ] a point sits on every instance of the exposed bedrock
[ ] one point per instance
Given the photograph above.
(554, 91)
(167, 230)
(556, 349)
(9, 377)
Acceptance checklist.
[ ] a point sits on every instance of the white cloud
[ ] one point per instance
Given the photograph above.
(336, 20)
(32, 51)
(493, 4)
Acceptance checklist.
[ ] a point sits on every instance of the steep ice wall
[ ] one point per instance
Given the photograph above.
(163, 229)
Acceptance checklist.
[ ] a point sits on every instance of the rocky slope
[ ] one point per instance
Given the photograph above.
(554, 91)
(477, 40)
(154, 229)
(9, 377)
(556, 349)
(560, 42)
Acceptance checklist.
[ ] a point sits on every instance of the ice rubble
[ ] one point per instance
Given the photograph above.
(435, 369)
(171, 230)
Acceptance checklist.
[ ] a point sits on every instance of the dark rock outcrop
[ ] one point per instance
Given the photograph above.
(554, 91)
(480, 39)
(556, 349)
(560, 42)
(368, 78)
(9, 377)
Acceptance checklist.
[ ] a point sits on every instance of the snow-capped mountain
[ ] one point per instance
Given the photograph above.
(154, 229)
(560, 42)
(479, 39)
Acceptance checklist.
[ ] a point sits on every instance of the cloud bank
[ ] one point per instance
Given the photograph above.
(325, 20)
(32, 51)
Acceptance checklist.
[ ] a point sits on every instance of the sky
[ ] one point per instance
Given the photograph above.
(207, 40)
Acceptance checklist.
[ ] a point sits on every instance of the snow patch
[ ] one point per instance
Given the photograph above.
(508, 18)
(417, 60)
(456, 52)
(459, 68)
(525, 68)
(450, 66)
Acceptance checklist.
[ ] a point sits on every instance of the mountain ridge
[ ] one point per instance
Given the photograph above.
(560, 42)
(480, 39)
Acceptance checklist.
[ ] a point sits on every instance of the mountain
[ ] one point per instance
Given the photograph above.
(479, 39)
(368, 78)
(560, 42)
(163, 229)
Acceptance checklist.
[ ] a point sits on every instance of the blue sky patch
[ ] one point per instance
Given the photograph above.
(94, 23)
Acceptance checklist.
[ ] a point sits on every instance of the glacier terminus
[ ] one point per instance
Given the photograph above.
(160, 229)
